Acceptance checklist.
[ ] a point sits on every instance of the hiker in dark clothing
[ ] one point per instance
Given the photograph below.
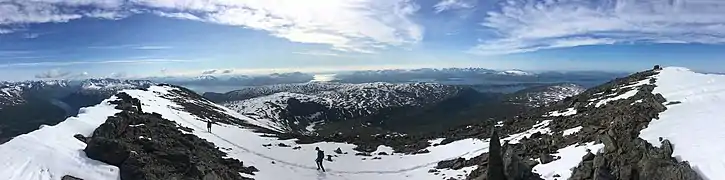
(208, 126)
(320, 156)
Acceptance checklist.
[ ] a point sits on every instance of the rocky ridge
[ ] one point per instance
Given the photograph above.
(146, 146)
(609, 116)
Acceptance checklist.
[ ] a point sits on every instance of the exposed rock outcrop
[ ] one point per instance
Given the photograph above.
(147, 146)
(597, 117)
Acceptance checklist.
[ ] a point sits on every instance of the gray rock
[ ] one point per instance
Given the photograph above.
(667, 148)
(609, 144)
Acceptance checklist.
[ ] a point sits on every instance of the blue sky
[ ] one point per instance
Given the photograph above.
(42, 39)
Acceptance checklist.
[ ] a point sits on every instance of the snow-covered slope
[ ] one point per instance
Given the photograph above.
(694, 121)
(52, 152)
(543, 95)
(294, 108)
(296, 163)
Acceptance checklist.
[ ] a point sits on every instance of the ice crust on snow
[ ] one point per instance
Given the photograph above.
(52, 152)
(695, 127)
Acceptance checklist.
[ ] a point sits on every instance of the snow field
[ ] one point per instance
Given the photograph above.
(570, 158)
(51, 152)
(695, 127)
(281, 163)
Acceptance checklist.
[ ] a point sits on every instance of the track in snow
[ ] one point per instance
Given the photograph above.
(332, 171)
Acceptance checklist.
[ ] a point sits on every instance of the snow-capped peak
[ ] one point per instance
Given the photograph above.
(516, 72)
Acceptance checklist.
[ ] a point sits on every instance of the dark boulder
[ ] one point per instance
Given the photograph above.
(80, 138)
(110, 151)
(546, 158)
(67, 177)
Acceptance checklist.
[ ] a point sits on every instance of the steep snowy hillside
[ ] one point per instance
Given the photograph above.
(298, 108)
(543, 95)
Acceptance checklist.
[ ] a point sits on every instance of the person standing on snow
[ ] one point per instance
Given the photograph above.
(320, 156)
(208, 126)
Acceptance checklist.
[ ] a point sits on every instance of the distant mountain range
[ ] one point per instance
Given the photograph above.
(451, 76)
(24, 106)
(371, 108)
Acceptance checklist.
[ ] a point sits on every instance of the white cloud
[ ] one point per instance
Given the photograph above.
(5, 31)
(445, 5)
(130, 46)
(348, 25)
(69, 63)
(177, 15)
(525, 26)
(53, 74)
(228, 71)
(152, 47)
(207, 72)
(317, 53)
(118, 75)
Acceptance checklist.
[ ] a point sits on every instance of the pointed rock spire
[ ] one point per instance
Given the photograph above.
(495, 161)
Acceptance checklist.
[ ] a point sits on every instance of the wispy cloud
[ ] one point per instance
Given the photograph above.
(445, 5)
(207, 72)
(525, 26)
(118, 75)
(53, 74)
(70, 63)
(12, 53)
(152, 47)
(128, 46)
(317, 53)
(349, 25)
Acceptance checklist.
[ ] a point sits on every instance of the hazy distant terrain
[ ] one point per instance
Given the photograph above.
(484, 80)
